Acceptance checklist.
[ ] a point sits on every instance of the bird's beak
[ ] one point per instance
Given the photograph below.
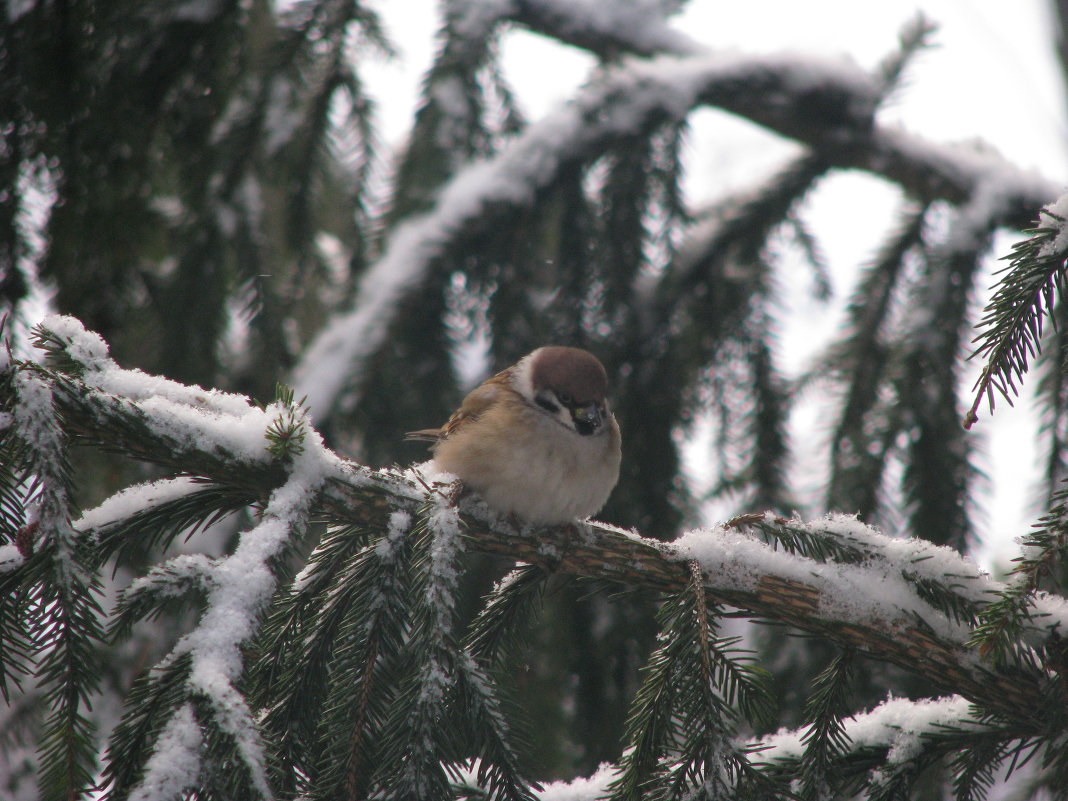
(588, 415)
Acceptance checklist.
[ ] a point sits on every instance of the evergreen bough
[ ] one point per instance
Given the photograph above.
(354, 680)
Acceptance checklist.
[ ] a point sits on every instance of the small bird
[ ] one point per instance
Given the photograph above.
(537, 440)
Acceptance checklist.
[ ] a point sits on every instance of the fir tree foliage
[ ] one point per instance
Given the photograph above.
(194, 153)
(1004, 622)
(1012, 326)
(681, 731)
(826, 737)
(51, 609)
(353, 677)
(274, 621)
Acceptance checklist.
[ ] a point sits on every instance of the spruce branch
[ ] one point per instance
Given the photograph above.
(155, 699)
(1011, 327)
(865, 360)
(450, 714)
(975, 767)
(12, 462)
(883, 752)
(166, 588)
(53, 591)
(420, 746)
(1051, 395)
(237, 588)
(328, 659)
(650, 725)
(1003, 622)
(367, 498)
(287, 431)
(826, 739)
(510, 605)
(16, 537)
(624, 97)
(914, 37)
(16, 647)
(201, 505)
(921, 629)
(680, 733)
(939, 472)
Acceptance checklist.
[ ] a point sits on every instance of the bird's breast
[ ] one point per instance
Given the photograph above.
(523, 462)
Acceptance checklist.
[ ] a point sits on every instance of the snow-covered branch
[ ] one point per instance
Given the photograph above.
(607, 29)
(902, 601)
(827, 105)
(899, 729)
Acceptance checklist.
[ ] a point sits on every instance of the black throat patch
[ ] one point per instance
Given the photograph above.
(584, 427)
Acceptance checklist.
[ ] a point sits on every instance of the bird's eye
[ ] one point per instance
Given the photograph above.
(564, 398)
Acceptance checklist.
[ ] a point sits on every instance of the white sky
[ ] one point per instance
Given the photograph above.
(991, 76)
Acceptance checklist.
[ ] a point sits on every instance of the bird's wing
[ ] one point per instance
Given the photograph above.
(477, 402)
(473, 406)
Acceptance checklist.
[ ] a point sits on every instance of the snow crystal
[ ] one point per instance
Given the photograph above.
(593, 788)
(913, 555)
(880, 588)
(1048, 217)
(86, 347)
(897, 724)
(581, 789)
(190, 415)
(872, 590)
(917, 557)
(138, 498)
(434, 681)
(175, 764)
(37, 426)
(34, 414)
(89, 349)
(427, 474)
(399, 523)
(11, 558)
(1049, 612)
(163, 579)
(445, 547)
(508, 579)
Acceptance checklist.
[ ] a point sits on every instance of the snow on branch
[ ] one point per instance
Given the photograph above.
(904, 601)
(624, 99)
(136, 499)
(606, 28)
(240, 586)
(826, 104)
(191, 417)
(899, 727)
(897, 724)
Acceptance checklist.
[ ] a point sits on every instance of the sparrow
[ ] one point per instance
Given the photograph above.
(537, 440)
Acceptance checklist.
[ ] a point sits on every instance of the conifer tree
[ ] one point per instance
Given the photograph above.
(241, 592)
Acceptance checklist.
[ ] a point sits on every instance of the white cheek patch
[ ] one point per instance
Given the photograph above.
(522, 379)
(564, 416)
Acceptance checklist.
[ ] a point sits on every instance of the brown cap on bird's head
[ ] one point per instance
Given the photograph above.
(569, 371)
